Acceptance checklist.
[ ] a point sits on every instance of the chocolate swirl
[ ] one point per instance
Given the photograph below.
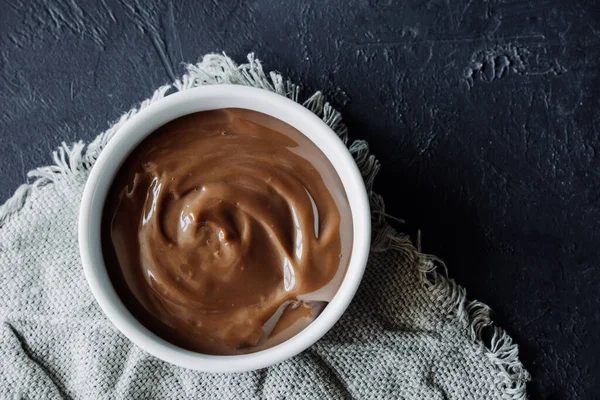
(217, 222)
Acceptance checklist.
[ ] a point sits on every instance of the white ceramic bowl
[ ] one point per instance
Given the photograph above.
(158, 114)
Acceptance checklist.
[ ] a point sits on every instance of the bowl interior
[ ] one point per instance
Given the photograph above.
(202, 99)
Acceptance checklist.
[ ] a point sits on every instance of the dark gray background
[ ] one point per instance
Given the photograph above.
(483, 114)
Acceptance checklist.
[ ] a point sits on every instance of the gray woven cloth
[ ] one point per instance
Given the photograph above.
(410, 333)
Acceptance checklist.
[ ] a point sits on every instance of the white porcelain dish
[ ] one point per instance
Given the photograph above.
(187, 102)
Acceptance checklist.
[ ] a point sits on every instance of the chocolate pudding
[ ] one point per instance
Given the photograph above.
(226, 231)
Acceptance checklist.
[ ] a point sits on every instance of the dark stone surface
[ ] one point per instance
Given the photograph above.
(483, 114)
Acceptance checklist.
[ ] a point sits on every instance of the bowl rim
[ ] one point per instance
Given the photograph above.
(175, 105)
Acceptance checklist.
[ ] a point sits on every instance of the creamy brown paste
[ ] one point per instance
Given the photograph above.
(222, 227)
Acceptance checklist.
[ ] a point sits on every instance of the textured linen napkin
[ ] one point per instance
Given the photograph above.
(410, 332)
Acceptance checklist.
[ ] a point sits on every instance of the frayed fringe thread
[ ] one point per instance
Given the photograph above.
(217, 69)
(475, 316)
